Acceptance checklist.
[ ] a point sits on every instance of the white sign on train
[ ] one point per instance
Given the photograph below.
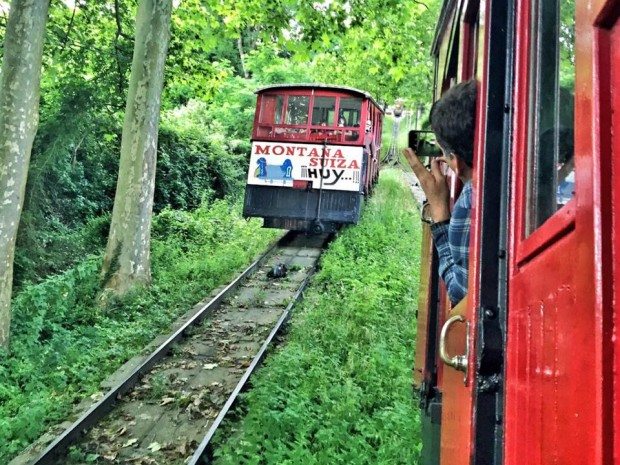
(280, 164)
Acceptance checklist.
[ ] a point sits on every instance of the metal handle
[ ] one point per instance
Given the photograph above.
(458, 362)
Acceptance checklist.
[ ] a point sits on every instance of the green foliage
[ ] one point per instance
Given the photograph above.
(73, 177)
(339, 391)
(74, 162)
(270, 66)
(53, 247)
(376, 45)
(387, 51)
(59, 333)
(196, 159)
(566, 43)
(382, 46)
(63, 343)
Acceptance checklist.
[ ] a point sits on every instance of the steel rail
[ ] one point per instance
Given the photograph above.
(106, 404)
(202, 455)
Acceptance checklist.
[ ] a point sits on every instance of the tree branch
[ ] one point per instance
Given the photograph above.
(119, 33)
(119, 25)
(69, 27)
(242, 55)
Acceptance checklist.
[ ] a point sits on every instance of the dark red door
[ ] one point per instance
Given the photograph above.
(610, 41)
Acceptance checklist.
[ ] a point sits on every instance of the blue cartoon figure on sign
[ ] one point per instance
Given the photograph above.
(283, 172)
(287, 169)
(261, 170)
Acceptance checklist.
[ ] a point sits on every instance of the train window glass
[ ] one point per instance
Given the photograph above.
(271, 109)
(471, 61)
(297, 109)
(323, 111)
(350, 111)
(279, 108)
(551, 176)
(378, 131)
(267, 108)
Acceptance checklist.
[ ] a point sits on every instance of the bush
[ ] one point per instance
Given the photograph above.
(73, 179)
(196, 159)
(55, 248)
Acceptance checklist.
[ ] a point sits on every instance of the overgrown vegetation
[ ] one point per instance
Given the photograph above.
(220, 52)
(200, 156)
(339, 391)
(64, 343)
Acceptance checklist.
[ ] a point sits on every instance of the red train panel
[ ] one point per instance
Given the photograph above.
(543, 380)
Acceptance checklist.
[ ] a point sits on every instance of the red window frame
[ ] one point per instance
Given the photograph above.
(334, 133)
(562, 221)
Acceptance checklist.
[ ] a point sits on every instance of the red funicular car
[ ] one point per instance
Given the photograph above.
(314, 156)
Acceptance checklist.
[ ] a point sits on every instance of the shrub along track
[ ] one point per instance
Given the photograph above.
(182, 392)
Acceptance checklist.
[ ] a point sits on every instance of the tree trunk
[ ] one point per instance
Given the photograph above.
(19, 118)
(127, 257)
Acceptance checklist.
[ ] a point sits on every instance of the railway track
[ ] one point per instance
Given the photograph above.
(167, 409)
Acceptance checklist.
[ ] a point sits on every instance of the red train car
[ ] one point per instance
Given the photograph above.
(526, 370)
(314, 156)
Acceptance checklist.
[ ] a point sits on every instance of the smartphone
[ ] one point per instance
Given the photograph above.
(424, 144)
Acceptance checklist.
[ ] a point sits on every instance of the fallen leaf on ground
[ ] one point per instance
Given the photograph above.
(154, 446)
(182, 449)
(209, 366)
(130, 442)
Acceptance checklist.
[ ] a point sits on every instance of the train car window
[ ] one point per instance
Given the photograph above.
(378, 131)
(278, 109)
(551, 176)
(350, 111)
(271, 109)
(472, 23)
(323, 111)
(297, 109)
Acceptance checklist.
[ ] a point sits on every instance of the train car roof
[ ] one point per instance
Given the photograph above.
(350, 90)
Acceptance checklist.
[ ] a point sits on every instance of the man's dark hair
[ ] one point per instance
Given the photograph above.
(453, 119)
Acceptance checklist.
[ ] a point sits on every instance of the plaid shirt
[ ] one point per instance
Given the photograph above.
(452, 242)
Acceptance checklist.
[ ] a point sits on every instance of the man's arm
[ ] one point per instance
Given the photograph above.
(452, 273)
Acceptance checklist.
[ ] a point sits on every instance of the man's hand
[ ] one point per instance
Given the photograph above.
(433, 184)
